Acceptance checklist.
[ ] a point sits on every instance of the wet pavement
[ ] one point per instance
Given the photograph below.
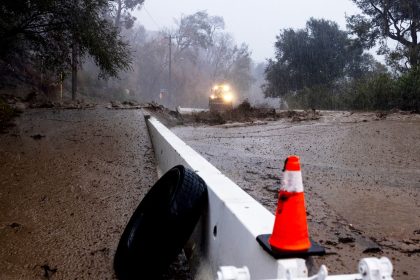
(69, 182)
(361, 174)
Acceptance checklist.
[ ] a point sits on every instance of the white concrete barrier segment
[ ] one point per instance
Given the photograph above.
(227, 234)
(190, 111)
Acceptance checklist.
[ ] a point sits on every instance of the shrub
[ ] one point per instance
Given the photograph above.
(409, 90)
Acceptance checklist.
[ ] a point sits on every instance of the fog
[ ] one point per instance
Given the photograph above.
(255, 23)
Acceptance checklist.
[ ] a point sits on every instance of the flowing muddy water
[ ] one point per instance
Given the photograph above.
(69, 182)
(361, 174)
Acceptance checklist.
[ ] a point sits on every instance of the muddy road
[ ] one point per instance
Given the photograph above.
(361, 174)
(69, 182)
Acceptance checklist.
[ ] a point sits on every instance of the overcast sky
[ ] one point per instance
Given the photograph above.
(254, 22)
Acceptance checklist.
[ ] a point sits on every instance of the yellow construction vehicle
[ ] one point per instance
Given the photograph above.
(221, 98)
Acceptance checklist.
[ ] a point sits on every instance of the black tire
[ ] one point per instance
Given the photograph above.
(161, 225)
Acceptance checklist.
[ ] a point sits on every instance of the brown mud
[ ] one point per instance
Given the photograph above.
(361, 174)
(69, 182)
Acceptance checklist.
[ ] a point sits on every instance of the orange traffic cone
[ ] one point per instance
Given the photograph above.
(290, 231)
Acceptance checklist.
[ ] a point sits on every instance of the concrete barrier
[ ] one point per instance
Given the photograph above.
(227, 236)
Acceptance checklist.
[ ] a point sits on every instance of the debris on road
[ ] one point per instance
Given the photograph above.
(242, 115)
(37, 136)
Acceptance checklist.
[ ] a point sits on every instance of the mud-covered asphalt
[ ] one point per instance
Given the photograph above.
(69, 182)
(361, 174)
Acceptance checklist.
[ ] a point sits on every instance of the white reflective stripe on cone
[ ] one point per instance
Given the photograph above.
(292, 181)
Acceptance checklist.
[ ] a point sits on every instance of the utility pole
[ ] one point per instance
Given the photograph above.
(74, 60)
(74, 65)
(170, 66)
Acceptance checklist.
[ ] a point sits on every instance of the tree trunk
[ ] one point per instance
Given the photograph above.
(413, 56)
(74, 64)
(118, 16)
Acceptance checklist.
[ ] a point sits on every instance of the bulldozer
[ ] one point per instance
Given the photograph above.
(221, 98)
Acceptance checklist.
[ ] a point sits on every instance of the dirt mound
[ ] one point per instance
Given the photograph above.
(169, 117)
(117, 105)
(243, 113)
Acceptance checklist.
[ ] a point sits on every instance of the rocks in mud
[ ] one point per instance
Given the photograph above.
(130, 103)
(15, 225)
(71, 105)
(372, 250)
(46, 104)
(48, 271)
(330, 243)
(271, 177)
(75, 105)
(37, 136)
(381, 115)
(103, 251)
(308, 115)
(273, 189)
(20, 106)
(117, 105)
(346, 239)
(251, 171)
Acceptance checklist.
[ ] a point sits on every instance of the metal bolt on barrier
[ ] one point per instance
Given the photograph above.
(376, 269)
(295, 269)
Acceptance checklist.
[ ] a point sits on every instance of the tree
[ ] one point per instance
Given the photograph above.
(121, 9)
(229, 62)
(205, 54)
(315, 56)
(197, 31)
(398, 20)
(51, 35)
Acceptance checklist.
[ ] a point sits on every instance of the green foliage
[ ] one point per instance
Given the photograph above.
(398, 20)
(38, 36)
(320, 67)
(318, 97)
(409, 88)
(380, 91)
(317, 56)
(375, 93)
